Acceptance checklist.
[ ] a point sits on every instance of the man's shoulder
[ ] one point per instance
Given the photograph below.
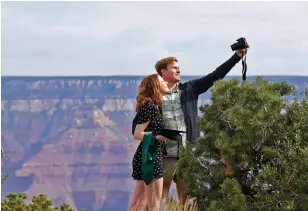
(185, 85)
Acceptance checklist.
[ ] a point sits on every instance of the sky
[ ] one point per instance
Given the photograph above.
(127, 38)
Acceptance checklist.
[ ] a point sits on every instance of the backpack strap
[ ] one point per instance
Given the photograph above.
(134, 124)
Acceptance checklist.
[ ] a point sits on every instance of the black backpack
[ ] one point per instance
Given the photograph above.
(134, 123)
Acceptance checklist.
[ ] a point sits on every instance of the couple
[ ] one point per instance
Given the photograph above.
(163, 102)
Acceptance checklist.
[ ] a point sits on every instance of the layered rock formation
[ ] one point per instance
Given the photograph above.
(70, 138)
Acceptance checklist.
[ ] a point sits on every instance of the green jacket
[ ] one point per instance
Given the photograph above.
(149, 145)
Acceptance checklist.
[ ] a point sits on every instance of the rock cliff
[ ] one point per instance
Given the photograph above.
(70, 138)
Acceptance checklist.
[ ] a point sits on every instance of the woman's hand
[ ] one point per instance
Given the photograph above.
(161, 138)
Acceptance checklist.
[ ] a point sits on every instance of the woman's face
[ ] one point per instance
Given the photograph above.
(163, 85)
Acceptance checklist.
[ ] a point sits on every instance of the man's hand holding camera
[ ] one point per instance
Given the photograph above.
(241, 52)
(240, 47)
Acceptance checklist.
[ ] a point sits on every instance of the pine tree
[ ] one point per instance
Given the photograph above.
(16, 201)
(254, 154)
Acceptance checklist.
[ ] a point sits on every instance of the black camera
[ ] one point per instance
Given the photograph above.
(240, 44)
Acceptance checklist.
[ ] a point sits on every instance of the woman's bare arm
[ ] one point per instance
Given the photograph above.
(139, 131)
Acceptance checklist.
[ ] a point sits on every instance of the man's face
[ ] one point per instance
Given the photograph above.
(172, 74)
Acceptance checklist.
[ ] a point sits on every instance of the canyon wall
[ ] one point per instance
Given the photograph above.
(70, 137)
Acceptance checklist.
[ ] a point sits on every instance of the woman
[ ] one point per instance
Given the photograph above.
(149, 119)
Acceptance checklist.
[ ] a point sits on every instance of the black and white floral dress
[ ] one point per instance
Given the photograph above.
(149, 112)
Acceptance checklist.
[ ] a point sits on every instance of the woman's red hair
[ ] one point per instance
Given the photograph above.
(149, 90)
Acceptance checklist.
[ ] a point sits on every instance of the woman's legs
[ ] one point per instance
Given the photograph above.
(139, 197)
(154, 192)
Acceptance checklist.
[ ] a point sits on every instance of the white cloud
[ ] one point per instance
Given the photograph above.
(103, 38)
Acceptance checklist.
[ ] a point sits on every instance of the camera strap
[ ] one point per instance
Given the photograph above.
(244, 65)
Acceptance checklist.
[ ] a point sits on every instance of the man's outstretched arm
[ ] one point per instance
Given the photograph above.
(201, 85)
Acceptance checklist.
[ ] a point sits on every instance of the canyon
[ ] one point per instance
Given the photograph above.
(70, 137)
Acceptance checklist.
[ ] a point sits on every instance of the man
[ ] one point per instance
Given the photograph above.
(180, 110)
